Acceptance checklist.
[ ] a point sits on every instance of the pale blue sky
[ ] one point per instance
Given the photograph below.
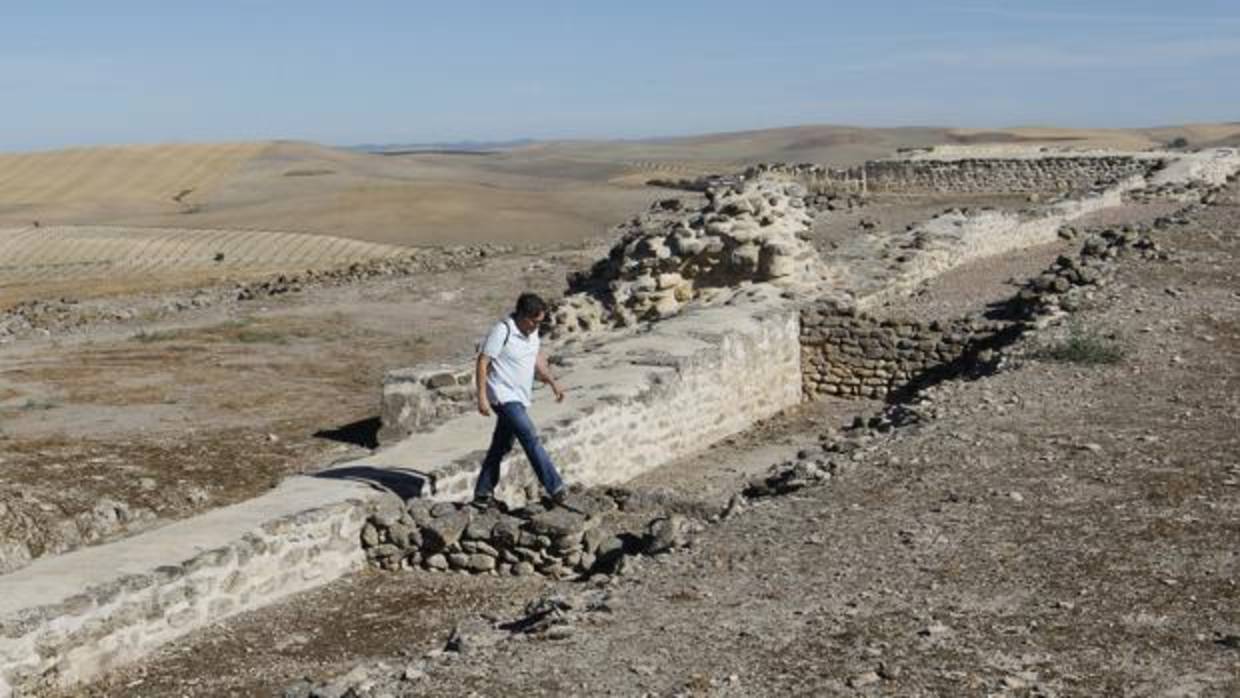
(90, 72)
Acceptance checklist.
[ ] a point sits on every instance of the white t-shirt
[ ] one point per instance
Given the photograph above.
(513, 355)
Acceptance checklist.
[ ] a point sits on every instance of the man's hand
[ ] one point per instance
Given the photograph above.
(484, 408)
(543, 372)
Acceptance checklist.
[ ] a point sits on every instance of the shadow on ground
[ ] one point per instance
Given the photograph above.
(363, 432)
(402, 482)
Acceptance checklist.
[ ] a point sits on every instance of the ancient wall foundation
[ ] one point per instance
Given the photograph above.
(641, 400)
(418, 399)
(1048, 175)
(81, 632)
(1001, 170)
(987, 176)
(847, 352)
(853, 354)
(683, 385)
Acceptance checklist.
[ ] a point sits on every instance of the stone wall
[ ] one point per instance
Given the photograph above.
(849, 353)
(707, 376)
(969, 175)
(418, 399)
(955, 237)
(986, 175)
(105, 626)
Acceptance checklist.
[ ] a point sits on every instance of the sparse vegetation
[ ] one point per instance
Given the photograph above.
(240, 330)
(1084, 346)
(147, 337)
(262, 337)
(35, 404)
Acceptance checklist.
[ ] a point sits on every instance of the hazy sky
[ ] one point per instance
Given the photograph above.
(123, 72)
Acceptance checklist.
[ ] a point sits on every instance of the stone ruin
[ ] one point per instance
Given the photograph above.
(845, 352)
(848, 352)
(748, 232)
(1036, 171)
(673, 256)
(590, 533)
(752, 229)
(416, 399)
(748, 237)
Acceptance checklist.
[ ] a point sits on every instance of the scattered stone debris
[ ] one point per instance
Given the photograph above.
(1069, 283)
(55, 316)
(551, 617)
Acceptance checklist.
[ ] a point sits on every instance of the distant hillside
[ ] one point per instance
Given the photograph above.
(443, 193)
(439, 147)
(131, 178)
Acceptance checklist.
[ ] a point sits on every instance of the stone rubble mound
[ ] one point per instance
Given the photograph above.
(591, 532)
(1069, 282)
(747, 232)
(790, 476)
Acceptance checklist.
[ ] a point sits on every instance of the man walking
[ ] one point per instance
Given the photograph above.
(508, 361)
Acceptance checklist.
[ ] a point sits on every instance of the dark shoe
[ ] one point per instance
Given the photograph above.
(560, 496)
(483, 502)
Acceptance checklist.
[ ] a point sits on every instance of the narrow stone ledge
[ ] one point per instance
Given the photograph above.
(66, 619)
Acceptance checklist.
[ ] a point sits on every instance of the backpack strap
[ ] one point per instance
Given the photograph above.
(507, 336)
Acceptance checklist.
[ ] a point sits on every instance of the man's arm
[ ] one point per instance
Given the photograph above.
(543, 372)
(481, 369)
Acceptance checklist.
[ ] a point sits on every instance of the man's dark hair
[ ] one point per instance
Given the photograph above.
(530, 305)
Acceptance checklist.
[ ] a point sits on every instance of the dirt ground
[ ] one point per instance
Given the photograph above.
(126, 426)
(1058, 528)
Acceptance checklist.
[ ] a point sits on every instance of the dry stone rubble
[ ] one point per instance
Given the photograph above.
(591, 532)
(750, 232)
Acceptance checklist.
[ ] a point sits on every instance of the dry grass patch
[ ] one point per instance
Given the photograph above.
(1084, 346)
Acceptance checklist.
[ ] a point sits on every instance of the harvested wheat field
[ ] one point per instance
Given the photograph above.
(83, 258)
(128, 178)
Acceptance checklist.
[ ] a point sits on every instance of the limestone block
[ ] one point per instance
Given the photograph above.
(669, 280)
(444, 531)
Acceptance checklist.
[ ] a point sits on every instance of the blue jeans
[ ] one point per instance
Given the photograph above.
(512, 422)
